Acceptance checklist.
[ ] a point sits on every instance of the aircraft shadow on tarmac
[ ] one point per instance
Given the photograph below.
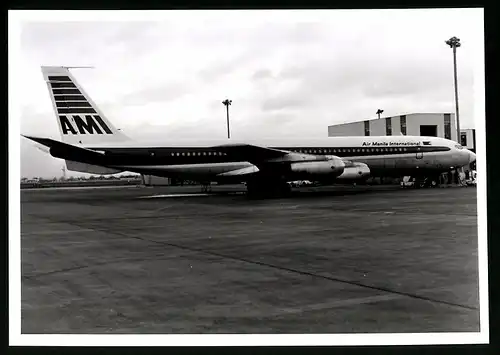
(240, 195)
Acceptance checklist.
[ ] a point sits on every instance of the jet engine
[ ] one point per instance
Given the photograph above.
(334, 166)
(354, 171)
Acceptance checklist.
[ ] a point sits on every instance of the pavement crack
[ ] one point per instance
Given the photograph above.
(63, 270)
(283, 268)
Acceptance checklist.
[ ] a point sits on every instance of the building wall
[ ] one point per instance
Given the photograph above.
(379, 127)
(150, 180)
(347, 129)
(470, 139)
(414, 121)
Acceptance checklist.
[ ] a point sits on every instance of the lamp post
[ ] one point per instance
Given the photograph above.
(379, 112)
(454, 43)
(226, 103)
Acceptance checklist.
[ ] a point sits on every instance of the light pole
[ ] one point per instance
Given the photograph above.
(226, 103)
(454, 43)
(379, 112)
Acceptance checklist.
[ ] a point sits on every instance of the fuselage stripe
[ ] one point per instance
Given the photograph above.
(187, 155)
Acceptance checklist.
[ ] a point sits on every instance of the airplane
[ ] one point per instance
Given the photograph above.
(92, 144)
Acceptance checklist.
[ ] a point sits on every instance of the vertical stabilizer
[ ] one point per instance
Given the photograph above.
(80, 120)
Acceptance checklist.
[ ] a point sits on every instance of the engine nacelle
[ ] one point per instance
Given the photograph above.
(333, 167)
(355, 171)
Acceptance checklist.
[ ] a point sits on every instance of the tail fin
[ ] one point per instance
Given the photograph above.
(80, 120)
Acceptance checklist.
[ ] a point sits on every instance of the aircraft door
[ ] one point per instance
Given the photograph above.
(419, 154)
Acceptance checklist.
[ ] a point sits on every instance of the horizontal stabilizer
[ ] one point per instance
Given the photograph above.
(42, 147)
(67, 151)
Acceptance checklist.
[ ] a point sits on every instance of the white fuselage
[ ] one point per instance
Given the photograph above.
(386, 155)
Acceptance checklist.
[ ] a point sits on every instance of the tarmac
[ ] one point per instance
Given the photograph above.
(324, 260)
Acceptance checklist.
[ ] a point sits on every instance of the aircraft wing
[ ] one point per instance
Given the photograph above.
(251, 153)
(241, 172)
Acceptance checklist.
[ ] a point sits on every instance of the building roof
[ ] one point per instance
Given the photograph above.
(382, 118)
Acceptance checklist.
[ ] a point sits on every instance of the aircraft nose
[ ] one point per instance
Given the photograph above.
(472, 157)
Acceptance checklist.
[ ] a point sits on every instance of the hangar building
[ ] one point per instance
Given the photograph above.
(414, 124)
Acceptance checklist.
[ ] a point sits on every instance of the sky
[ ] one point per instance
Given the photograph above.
(164, 74)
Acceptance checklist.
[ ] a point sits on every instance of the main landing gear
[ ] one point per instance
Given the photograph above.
(206, 187)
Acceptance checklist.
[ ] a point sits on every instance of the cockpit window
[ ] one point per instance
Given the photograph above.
(458, 146)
